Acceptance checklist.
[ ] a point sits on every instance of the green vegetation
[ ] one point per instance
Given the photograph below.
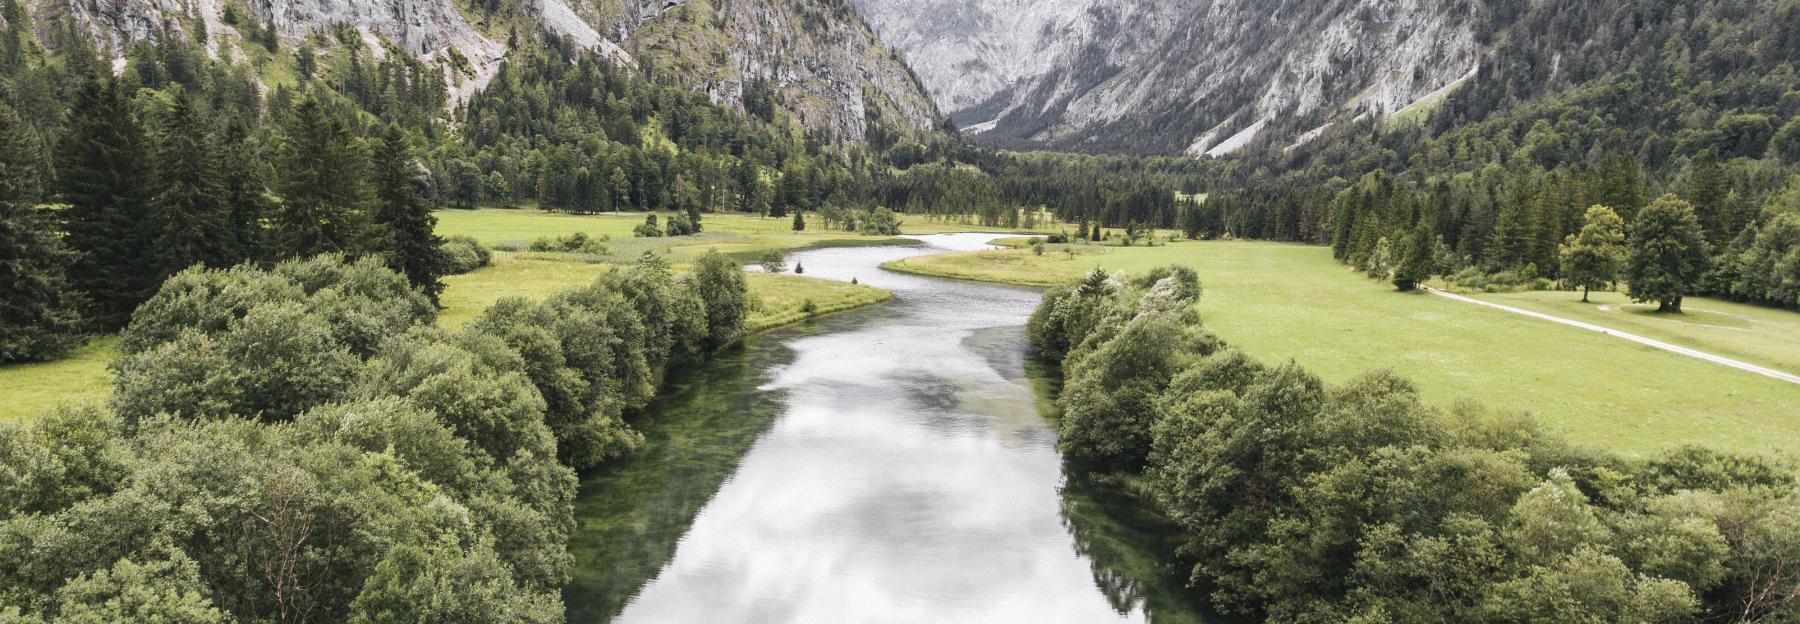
(394, 469)
(1283, 301)
(81, 376)
(1308, 501)
(785, 300)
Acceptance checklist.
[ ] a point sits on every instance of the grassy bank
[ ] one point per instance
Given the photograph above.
(1282, 302)
(31, 389)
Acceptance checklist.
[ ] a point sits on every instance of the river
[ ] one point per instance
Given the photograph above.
(890, 464)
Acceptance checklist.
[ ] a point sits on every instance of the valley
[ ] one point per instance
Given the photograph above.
(796, 311)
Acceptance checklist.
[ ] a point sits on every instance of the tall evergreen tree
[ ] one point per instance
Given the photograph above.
(404, 225)
(103, 164)
(320, 180)
(1668, 254)
(244, 188)
(40, 313)
(1709, 190)
(192, 217)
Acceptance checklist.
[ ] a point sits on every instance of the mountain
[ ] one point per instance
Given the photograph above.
(819, 59)
(1212, 77)
(1169, 77)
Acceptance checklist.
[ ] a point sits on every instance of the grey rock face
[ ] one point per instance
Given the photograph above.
(825, 63)
(1158, 76)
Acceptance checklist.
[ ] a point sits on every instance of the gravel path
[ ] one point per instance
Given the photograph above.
(1651, 342)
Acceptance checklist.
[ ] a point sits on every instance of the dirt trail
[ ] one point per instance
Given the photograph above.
(1651, 342)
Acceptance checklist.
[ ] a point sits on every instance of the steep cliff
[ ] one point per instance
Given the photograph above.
(1168, 77)
(817, 57)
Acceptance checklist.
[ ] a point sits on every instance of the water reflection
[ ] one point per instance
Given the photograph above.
(887, 465)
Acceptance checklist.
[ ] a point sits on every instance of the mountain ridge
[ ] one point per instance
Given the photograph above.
(821, 61)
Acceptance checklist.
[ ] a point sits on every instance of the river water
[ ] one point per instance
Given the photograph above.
(891, 464)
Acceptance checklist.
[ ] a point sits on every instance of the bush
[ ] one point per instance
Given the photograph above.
(465, 255)
(578, 242)
(647, 229)
(773, 262)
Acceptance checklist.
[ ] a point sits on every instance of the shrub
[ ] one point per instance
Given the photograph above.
(578, 242)
(465, 254)
(773, 262)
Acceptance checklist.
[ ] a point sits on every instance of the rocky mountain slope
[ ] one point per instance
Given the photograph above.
(818, 58)
(1171, 77)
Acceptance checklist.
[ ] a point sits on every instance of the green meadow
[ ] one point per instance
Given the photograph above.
(1293, 302)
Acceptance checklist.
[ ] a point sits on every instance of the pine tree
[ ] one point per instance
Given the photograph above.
(1668, 254)
(103, 164)
(190, 207)
(405, 227)
(40, 313)
(321, 185)
(799, 221)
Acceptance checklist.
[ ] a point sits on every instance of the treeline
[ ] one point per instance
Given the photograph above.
(1609, 103)
(1307, 502)
(302, 443)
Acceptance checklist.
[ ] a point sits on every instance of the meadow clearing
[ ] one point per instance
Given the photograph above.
(1283, 301)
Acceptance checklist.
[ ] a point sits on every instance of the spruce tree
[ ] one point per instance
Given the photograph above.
(405, 228)
(321, 183)
(1709, 190)
(799, 221)
(40, 313)
(245, 192)
(104, 176)
(191, 213)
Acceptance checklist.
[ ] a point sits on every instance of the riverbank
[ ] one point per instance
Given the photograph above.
(1284, 302)
(82, 377)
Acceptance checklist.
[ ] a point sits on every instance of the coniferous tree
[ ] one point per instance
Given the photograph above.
(1417, 257)
(799, 221)
(404, 226)
(103, 165)
(1709, 190)
(1668, 254)
(320, 180)
(245, 192)
(40, 314)
(190, 209)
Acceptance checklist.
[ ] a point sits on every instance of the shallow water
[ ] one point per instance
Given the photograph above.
(892, 464)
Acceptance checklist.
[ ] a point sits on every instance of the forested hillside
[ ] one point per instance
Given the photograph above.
(1610, 103)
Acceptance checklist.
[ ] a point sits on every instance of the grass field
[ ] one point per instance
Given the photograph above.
(1283, 302)
(27, 390)
(741, 236)
(1759, 335)
(31, 389)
